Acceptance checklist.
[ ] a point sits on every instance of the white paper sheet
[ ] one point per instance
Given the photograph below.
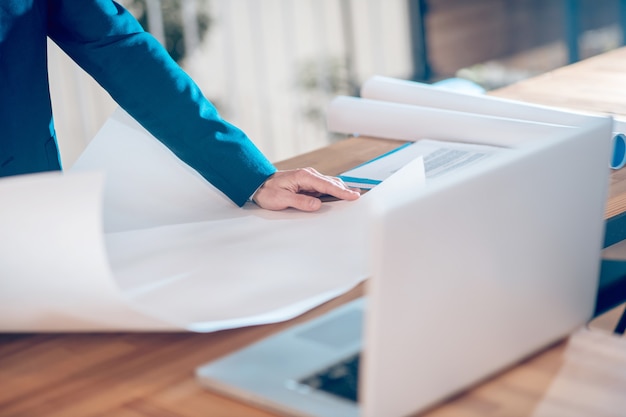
(176, 248)
(253, 268)
(158, 248)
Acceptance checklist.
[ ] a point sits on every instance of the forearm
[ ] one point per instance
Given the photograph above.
(139, 74)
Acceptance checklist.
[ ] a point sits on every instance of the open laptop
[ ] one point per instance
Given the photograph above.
(471, 273)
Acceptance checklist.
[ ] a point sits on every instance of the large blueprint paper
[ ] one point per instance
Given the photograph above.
(132, 239)
(182, 252)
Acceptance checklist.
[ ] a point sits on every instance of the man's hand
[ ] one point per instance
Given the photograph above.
(300, 189)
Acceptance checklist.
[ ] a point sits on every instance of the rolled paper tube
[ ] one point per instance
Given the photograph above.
(618, 157)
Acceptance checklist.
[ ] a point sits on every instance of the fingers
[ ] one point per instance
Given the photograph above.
(297, 188)
(302, 202)
(311, 181)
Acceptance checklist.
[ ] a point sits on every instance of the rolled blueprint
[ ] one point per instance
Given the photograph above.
(358, 116)
(420, 94)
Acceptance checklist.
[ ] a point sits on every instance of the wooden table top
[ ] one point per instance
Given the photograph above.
(151, 374)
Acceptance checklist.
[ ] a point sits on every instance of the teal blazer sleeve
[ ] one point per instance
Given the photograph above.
(108, 43)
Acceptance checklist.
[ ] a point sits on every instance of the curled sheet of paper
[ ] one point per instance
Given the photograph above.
(132, 239)
(146, 185)
(54, 271)
(182, 252)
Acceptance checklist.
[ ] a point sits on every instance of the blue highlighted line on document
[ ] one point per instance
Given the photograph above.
(362, 183)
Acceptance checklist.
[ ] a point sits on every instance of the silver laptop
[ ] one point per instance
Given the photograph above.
(470, 274)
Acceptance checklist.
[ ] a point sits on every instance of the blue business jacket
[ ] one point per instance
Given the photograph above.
(106, 41)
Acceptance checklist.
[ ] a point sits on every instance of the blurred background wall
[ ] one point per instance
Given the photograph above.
(272, 66)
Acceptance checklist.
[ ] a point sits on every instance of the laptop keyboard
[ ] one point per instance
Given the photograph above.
(340, 379)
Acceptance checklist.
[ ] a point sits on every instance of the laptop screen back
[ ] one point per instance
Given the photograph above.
(476, 271)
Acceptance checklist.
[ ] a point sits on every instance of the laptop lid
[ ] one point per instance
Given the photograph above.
(476, 271)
